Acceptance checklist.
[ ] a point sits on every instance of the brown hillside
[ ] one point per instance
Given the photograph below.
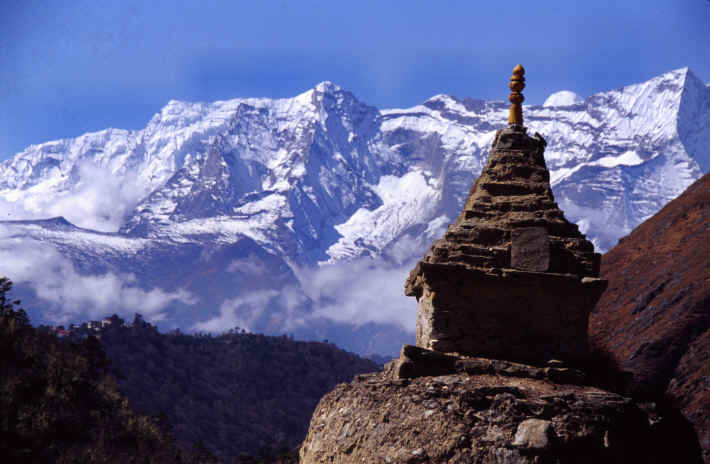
(654, 318)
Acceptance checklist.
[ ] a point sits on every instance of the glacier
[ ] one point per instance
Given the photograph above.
(287, 215)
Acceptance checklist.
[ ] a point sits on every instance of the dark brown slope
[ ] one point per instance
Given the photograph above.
(654, 318)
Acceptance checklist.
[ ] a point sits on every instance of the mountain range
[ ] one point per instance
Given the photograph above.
(301, 215)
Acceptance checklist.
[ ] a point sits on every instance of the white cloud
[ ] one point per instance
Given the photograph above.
(73, 296)
(360, 291)
(239, 312)
(600, 221)
(13, 210)
(355, 292)
(99, 200)
(268, 310)
(251, 265)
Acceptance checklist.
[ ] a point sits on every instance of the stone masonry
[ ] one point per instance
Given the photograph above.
(511, 278)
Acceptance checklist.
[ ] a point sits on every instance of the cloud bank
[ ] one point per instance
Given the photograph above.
(99, 200)
(359, 292)
(356, 292)
(71, 296)
(239, 312)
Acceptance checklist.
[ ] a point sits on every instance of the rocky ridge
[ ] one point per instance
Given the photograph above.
(487, 411)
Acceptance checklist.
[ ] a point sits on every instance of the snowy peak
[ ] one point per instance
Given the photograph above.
(342, 108)
(563, 98)
(327, 87)
(693, 82)
(262, 192)
(322, 155)
(665, 89)
(693, 120)
(695, 92)
(38, 163)
(283, 171)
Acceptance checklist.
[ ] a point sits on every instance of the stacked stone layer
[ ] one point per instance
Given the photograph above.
(512, 194)
(511, 278)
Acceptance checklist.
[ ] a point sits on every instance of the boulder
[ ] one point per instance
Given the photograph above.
(508, 413)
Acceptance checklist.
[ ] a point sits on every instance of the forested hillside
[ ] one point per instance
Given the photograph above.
(58, 405)
(237, 393)
(237, 397)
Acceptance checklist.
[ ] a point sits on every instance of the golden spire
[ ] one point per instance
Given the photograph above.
(517, 84)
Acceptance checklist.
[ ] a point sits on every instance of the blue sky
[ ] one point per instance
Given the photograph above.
(74, 66)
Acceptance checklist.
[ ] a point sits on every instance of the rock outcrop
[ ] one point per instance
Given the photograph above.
(481, 411)
(654, 319)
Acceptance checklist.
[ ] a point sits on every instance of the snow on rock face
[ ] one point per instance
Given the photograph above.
(324, 178)
(595, 177)
(405, 200)
(91, 180)
(563, 98)
(321, 151)
(325, 151)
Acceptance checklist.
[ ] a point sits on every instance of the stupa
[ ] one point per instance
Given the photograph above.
(511, 278)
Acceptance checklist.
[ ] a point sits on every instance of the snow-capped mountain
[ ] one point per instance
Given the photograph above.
(291, 214)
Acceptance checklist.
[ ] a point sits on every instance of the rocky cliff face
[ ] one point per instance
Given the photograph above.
(654, 319)
(486, 411)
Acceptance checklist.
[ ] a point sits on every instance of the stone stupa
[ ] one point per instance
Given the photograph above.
(511, 278)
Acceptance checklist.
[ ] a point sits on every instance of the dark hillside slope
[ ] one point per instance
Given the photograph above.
(58, 405)
(237, 393)
(654, 318)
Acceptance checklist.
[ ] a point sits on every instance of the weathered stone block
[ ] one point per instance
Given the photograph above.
(515, 315)
(530, 249)
(534, 434)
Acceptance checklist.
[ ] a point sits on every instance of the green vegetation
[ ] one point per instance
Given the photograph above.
(57, 403)
(237, 397)
(235, 394)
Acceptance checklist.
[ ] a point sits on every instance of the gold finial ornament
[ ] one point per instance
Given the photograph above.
(517, 84)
